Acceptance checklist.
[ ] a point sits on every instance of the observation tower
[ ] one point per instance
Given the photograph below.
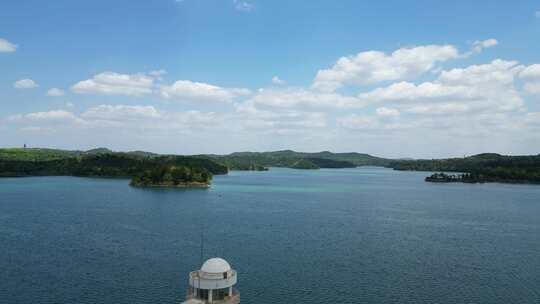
(213, 283)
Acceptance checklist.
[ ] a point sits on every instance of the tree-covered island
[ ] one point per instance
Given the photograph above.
(481, 168)
(454, 178)
(173, 176)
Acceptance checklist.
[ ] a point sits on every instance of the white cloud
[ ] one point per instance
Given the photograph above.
(480, 45)
(277, 81)
(111, 83)
(119, 119)
(25, 84)
(243, 5)
(49, 117)
(387, 112)
(278, 121)
(537, 14)
(532, 87)
(121, 113)
(439, 109)
(157, 73)
(531, 72)
(185, 90)
(298, 97)
(55, 92)
(487, 87)
(374, 66)
(6, 46)
(531, 75)
(359, 122)
(498, 72)
(409, 92)
(533, 118)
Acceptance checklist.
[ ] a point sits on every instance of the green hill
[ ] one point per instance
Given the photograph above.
(288, 158)
(486, 167)
(103, 163)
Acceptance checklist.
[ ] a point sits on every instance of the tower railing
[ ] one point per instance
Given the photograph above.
(234, 299)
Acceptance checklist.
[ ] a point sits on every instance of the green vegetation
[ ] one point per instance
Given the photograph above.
(20, 154)
(304, 164)
(44, 162)
(172, 176)
(289, 159)
(154, 169)
(454, 178)
(487, 167)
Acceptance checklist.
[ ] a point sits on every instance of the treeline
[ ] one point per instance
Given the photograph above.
(299, 160)
(113, 165)
(172, 176)
(481, 168)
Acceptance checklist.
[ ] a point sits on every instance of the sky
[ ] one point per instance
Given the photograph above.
(422, 79)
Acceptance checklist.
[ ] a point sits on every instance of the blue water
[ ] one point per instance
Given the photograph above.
(366, 235)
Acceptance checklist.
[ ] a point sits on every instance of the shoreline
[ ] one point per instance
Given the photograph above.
(171, 185)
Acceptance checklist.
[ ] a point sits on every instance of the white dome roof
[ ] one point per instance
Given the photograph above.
(216, 265)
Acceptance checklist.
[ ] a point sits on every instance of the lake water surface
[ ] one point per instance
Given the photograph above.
(366, 235)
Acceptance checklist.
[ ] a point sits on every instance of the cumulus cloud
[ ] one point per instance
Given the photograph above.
(533, 118)
(278, 121)
(531, 76)
(488, 87)
(387, 112)
(360, 122)
(121, 113)
(6, 46)
(277, 81)
(25, 84)
(375, 66)
(244, 6)
(119, 118)
(495, 73)
(185, 90)
(55, 92)
(49, 117)
(479, 45)
(111, 83)
(298, 97)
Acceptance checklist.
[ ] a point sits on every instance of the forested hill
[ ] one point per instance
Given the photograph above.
(487, 167)
(292, 159)
(146, 169)
(235, 161)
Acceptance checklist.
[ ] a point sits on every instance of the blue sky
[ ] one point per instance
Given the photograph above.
(391, 78)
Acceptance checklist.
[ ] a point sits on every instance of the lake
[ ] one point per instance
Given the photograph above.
(365, 235)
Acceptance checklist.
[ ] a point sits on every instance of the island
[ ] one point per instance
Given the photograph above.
(454, 178)
(173, 176)
(480, 168)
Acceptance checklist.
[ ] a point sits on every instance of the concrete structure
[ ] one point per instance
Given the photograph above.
(213, 283)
